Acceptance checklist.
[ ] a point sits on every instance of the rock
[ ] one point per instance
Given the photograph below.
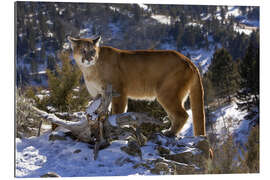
(168, 167)
(133, 149)
(144, 165)
(77, 151)
(142, 140)
(54, 137)
(181, 168)
(183, 157)
(191, 151)
(50, 174)
(160, 168)
(121, 161)
(162, 150)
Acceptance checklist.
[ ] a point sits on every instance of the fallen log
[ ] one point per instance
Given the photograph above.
(79, 127)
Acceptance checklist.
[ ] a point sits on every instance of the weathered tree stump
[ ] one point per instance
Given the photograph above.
(96, 126)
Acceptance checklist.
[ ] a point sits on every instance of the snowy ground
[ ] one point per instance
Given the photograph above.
(226, 120)
(162, 19)
(36, 156)
(201, 57)
(68, 158)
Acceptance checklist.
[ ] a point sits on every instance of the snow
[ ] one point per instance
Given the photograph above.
(51, 109)
(42, 72)
(29, 160)
(162, 19)
(49, 22)
(83, 31)
(61, 11)
(201, 57)
(40, 96)
(112, 120)
(49, 34)
(194, 24)
(205, 17)
(36, 156)
(68, 158)
(114, 8)
(66, 46)
(234, 123)
(233, 11)
(143, 6)
(93, 107)
(77, 89)
(242, 30)
(234, 120)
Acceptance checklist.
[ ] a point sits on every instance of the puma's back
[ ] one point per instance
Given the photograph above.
(142, 72)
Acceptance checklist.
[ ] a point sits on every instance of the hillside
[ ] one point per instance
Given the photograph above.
(196, 31)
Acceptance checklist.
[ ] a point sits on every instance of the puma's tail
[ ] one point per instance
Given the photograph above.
(197, 105)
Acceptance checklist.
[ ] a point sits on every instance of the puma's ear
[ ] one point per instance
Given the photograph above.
(96, 41)
(72, 40)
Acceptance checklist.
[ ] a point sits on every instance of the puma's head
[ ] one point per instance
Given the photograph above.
(86, 50)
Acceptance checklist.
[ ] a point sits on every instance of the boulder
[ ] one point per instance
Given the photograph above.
(50, 174)
(54, 137)
(133, 149)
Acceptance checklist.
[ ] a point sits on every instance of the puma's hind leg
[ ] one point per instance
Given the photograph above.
(174, 106)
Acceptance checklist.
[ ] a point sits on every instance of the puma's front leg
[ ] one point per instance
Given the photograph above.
(119, 104)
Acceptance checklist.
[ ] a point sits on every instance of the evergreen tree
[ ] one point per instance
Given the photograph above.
(43, 53)
(137, 13)
(62, 83)
(223, 74)
(222, 13)
(51, 63)
(249, 71)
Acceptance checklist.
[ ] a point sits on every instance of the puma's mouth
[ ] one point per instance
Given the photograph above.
(87, 60)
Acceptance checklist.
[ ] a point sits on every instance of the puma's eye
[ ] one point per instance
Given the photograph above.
(84, 51)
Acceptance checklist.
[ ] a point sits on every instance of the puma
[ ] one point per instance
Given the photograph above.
(165, 75)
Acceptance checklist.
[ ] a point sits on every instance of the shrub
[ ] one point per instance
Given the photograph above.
(250, 158)
(27, 120)
(62, 83)
(230, 158)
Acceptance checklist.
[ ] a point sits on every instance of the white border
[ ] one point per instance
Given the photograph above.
(7, 85)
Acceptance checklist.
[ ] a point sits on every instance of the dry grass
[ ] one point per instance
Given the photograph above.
(230, 158)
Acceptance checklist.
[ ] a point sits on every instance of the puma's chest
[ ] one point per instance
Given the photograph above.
(93, 88)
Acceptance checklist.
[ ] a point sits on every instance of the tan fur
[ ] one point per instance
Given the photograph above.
(165, 75)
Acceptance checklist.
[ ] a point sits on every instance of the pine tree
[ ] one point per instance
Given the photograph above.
(223, 74)
(62, 83)
(248, 95)
(51, 63)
